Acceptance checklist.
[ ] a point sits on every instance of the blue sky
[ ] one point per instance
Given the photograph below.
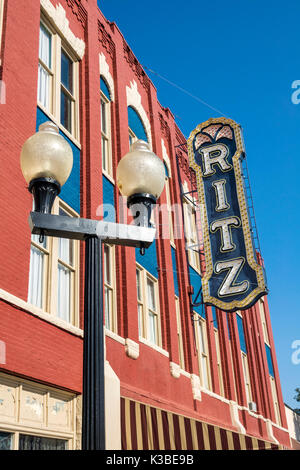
(241, 58)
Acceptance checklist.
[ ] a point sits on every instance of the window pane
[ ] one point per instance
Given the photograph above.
(151, 294)
(36, 274)
(204, 372)
(103, 117)
(107, 274)
(66, 72)
(66, 250)
(108, 307)
(136, 124)
(36, 239)
(241, 334)
(104, 153)
(66, 111)
(40, 443)
(201, 338)
(152, 328)
(65, 246)
(5, 441)
(104, 88)
(43, 86)
(140, 319)
(269, 359)
(45, 46)
(138, 284)
(64, 292)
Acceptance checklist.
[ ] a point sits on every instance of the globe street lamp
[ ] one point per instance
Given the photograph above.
(46, 162)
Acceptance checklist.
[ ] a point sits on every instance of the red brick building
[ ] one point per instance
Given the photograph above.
(178, 375)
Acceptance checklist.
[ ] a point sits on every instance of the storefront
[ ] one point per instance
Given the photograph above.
(144, 427)
(35, 417)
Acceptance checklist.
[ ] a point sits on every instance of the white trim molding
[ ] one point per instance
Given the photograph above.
(114, 336)
(58, 16)
(154, 346)
(104, 71)
(132, 348)
(196, 387)
(134, 100)
(38, 312)
(235, 419)
(270, 431)
(175, 370)
(112, 409)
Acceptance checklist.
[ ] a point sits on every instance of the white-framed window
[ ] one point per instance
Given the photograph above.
(273, 384)
(66, 275)
(261, 307)
(148, 306)
(109, 288)
(106, 146)
(219, 361)
(58, 80)
(246, 376)
(54, 272)
(232, 365)
(275, 401)
(191, 235)
(179, 333)
(132, 137)
(202, 351)
(244, 356)
(38, 274)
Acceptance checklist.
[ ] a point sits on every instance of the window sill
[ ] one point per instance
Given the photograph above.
(62, 128)
(114, 336)
(107, 175)
(38, 312)
(154, 346)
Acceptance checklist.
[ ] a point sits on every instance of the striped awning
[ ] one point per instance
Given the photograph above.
(144, 427)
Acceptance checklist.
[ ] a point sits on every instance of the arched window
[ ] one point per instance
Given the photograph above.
(136, 126)
(106, 152)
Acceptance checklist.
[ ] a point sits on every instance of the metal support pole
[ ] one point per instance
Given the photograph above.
(94, 232)
(93, 403)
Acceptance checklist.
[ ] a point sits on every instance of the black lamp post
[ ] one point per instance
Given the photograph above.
(46, 163)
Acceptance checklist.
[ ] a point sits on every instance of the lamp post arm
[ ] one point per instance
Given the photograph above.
(80, 229)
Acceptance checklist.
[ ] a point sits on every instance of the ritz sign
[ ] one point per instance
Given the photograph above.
(233, 279)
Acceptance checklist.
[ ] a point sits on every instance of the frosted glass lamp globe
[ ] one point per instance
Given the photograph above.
(46, 162)
(140, 171)
(46, 154)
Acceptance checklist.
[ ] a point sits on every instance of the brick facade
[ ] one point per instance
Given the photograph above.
(45, 352)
